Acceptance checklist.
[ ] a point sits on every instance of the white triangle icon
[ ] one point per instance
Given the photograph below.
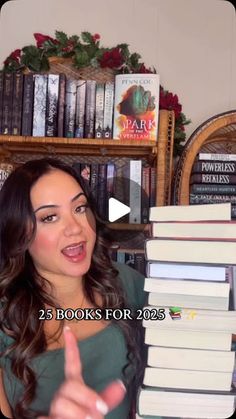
(116, 209)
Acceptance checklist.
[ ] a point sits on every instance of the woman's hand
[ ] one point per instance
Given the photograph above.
(75, 400)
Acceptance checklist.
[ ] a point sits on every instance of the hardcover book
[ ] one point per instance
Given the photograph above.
(192, 319)
(90, 108)
(187, 379)
(108, 109)
(52, 105)
(69, 128)
(80, 109)
(5, 170)
(213, 230)
(217, 156)
(191, 359)
(135, 176)
(39, 112)
(17, 103)
(187, 271)
(99, 111)
(188, 293)
(164, 402)
(7, 103)
(188, 339)
(136, 106)
(201, 188)
(206, 166)
(191, 213)
(211, 198)
(212, 178)
(193, 251)
(61, 105)
(28, 101)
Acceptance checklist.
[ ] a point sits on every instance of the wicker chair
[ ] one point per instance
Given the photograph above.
(215, 135)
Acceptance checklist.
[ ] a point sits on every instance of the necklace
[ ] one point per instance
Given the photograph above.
(71, 318)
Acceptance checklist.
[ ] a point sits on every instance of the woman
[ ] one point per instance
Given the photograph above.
(53, 256)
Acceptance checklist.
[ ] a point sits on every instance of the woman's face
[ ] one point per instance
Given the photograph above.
(65, 227)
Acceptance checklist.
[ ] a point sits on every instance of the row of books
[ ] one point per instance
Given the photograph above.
(213, 180)
(54, 105)
(190, 357)
(134, 184)
(135, 258)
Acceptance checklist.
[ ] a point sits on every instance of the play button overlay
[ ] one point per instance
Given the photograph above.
(116, 209)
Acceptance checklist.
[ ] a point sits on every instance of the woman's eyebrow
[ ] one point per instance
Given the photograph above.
(56, 206)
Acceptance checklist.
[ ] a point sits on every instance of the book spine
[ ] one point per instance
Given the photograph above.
(211, 199)
(217, 156)
(213, 178)
(27, 109)
(61, 105)
(139, 262)
(90, 108)
(52, 105)
(39, 112)
(111, 175)
(129, 259)
(7, 104)
(99, 111)
(76, 167)
(17, 103)
(136, 106)
(102, 191)
(200, 188)
(80, 109)
(108, 109)
(94, 180)
(153, 180)
(145, 195)
(1, 99)
(71, 86)
(135, 191)
(208, 167)
(5, 170)
(233, 211)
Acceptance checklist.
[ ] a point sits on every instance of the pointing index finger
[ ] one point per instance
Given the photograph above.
(73, 367)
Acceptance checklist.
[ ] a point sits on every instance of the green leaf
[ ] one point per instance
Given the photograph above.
(61, 37)
(87, 37)
(81, 59)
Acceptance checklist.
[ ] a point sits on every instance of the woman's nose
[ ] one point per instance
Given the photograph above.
(72, 226)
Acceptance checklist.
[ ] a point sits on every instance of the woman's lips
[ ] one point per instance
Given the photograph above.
(75, 252)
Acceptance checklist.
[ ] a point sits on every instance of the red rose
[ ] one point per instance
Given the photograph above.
(112, 59)
(96, 37)
(170, 102)
(144, 69)
(15, 56)
(40, 39)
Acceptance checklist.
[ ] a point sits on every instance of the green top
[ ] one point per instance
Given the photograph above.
(103, 356)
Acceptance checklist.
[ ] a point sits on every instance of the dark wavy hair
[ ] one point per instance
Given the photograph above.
(22, 290)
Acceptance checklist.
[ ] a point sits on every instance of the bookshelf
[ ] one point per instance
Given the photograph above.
(18, 149)
(216, 135)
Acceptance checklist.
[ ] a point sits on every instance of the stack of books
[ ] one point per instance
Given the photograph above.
(213, 180)
(190, 361)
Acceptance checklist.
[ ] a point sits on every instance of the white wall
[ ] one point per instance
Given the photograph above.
(192, 43)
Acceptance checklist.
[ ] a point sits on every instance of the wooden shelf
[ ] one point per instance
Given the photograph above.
(126, 226)
(82, 146)
(18, 149)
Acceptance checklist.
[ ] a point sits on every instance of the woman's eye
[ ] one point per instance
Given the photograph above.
(81, 209)
(48, 218)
